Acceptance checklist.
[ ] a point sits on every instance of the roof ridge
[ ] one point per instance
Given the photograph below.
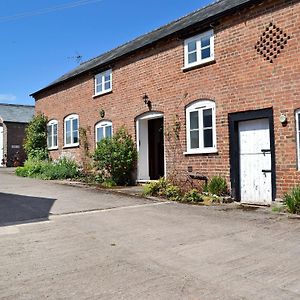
(152, 31)
(10, 104)
(199, 16)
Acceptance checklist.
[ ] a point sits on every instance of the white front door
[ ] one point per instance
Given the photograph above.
(143, 144)
(255, 162)
(1, 145)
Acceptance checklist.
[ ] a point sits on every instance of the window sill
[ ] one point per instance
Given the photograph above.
(102, 94)
(201, 152)
(199, 65)
(53, 149)
(71, 146)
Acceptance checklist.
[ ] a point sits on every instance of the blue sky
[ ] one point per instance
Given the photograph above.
(41, 39)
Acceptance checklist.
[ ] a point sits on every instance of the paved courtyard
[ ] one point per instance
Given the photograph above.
(62, 242)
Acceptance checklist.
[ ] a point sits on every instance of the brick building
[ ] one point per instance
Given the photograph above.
(215, 92)
(13, 121)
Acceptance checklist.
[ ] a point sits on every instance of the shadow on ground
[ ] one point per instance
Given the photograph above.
(23, 209)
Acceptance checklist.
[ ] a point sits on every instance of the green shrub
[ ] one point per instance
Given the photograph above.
(173, 193)
(32, 168)
(35, 143)
(217, 186)
(108, 183)
(116, 157)
(151, 189)
(292, 200)
(62, 169)
(192, 196)
(156, 188)
(162, 188)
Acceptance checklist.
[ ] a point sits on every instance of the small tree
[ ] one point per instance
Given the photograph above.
(35, 144)
(116, 156)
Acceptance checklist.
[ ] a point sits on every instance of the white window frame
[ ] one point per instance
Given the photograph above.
(70, 118)
(297, 116)
(100, 79)
(198, 50)
(199, 106)
(102, 124)
(51, 124)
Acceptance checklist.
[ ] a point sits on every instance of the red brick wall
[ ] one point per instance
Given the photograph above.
(239, 80)
(14, 134)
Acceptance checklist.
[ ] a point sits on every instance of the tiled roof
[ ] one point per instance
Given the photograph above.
(212, 11)
(16, 113)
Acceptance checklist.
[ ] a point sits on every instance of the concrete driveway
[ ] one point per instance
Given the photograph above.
(27, 199)
(129, 248)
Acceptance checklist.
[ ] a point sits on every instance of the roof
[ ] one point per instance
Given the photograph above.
(16, 113)
(212, 11)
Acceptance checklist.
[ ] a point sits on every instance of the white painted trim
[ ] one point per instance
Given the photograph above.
(200, 106)
(71, 117)
(102, 124)
(197, 39)
(101, 76)
(208, 151)
(202, 63)
(146, 117)
(151, 115)
(297, 113)
(102, 94)
(51, 123)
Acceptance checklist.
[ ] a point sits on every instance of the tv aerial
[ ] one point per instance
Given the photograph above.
(77, 57)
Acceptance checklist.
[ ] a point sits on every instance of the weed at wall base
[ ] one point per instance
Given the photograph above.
(292, 200)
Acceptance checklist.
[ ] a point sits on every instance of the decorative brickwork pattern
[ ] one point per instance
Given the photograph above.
(272, 42)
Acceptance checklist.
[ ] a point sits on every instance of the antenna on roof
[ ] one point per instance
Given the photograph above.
(77, 57)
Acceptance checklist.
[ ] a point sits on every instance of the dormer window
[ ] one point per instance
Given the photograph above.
(199, 49)
(103, 82)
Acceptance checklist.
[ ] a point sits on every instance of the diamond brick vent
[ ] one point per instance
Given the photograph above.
(272, 42)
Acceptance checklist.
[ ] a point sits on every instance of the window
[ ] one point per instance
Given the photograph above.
(71, 130)
(298, 136)
(52, 134)
(199, 49)
(103, 82)
(103, 130)
(201, 127)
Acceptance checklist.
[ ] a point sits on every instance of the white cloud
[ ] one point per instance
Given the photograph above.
(7, 97)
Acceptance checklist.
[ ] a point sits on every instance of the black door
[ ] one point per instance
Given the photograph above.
(156, 148)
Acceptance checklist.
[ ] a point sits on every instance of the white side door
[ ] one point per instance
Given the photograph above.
(142, 147)
(1, 145)
(255, 162)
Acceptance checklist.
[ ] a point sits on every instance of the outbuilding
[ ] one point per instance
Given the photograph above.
(13, 121)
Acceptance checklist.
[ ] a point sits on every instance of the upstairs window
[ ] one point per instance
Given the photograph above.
(52, 134)
(103, 130)
(71, 131)
(103, 82)
(199, 49)
(201, 127)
